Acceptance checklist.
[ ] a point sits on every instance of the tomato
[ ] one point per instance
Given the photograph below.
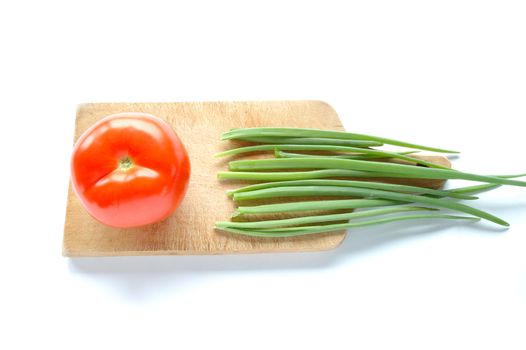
(130, 169)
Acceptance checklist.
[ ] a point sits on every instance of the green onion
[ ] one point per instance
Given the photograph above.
(315, 205)
(407, 171)
(338, 204)
(475, 189)
(312, 141)
(314, 174)
(299, 175)
(314, 133)
(511, 176)
(309, 191)
(281, 154)
(241, 150)
(482, 188)
(319, 218)
(348, 155)
(347, 183)
(290, 232)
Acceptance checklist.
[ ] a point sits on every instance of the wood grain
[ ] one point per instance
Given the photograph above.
(190, 229)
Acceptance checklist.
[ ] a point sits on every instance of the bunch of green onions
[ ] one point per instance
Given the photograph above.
(345, 158)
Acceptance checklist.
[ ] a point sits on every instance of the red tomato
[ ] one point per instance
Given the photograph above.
(130, 169)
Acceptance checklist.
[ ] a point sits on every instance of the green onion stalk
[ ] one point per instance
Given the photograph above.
(346, 156)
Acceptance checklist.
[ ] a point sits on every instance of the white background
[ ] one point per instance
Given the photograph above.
(444, 73)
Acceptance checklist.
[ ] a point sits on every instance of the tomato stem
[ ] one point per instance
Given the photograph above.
(125, 163)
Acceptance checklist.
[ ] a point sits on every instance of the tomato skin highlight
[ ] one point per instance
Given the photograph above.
(130, 169)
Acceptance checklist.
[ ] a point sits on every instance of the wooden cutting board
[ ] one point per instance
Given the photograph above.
(190, 229)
